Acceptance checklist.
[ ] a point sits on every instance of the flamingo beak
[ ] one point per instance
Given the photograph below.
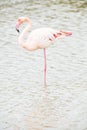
(17, 27)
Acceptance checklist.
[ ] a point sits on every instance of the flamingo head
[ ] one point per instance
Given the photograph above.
(20, 21)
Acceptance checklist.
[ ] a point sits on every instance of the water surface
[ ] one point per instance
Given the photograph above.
(24, 105)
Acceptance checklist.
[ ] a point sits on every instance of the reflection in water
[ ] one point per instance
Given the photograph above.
(23, 103)
(42, 116)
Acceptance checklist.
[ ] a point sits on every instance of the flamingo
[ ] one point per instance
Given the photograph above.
(39, 38)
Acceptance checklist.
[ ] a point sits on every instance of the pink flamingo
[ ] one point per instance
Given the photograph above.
(39, 38)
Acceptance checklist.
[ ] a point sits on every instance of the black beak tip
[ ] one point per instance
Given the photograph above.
(18, 30)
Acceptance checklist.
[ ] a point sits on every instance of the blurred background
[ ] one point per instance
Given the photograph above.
(24, 105)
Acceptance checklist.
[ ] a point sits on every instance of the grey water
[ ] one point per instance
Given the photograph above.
(24, 105)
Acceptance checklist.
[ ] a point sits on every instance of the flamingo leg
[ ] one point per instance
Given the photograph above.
(45, 67)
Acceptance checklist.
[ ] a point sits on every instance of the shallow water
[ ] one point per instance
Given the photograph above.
(24, 105)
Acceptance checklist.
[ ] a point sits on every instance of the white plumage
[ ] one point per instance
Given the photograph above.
(41, 38)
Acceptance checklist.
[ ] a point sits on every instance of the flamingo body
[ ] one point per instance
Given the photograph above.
(39, 38)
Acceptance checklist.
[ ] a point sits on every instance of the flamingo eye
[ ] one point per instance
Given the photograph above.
(19, 20)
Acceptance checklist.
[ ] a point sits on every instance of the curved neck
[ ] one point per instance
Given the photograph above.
(23, 34)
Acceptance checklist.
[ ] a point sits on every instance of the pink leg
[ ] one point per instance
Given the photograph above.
(45, 67)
